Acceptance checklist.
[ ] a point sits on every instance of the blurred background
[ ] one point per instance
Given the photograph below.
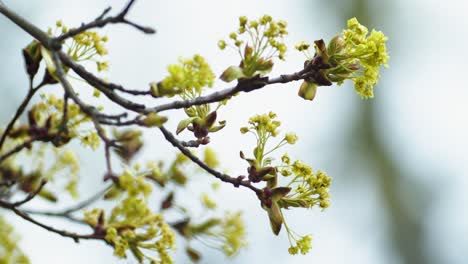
(398, 161)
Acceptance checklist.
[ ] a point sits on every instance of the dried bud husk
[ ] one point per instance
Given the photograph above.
(210, 119)
(199, 130)
(168, 201)
(276, 218)
(194, 255)
(321, 50)
(32, 58)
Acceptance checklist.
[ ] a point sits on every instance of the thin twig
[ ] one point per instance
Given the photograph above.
(19, 111)
(14, 207)
(100, 22)
(18, 148)
(66, 212)
(236, 181)
(30, 195)
(246, 86)
(105, 87)
(7, 183)
(76, 237)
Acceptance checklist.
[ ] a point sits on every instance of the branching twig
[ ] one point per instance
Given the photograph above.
(7, 183)
(14, 207)
(245, 86)
(238, 181)
(67, 212)
(105, 87)
(18, 113)
(100, 22)
(30, 195)
(76, 237)
(18, 148)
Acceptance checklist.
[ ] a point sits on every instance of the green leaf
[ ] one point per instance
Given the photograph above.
(48, 60)
(217, 128)
(232, 73)
(276, 218)
(308, 90)
(184, 123)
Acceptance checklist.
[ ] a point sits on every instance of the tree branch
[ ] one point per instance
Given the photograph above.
(100, 22)
(30, 28)
(106, 88)
(18, 148)
(236, 181)
(76, 237)
(30, 195)
(14, 207)
(19, 111)
(67, 212)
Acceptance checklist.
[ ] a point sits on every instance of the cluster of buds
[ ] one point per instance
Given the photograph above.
(200, 124)
(131, 225)
(258, 42)
(353, 55)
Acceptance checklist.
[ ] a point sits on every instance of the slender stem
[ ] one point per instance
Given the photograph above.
(19, 111)
(72, 209)
(238, 181)
(76, 237)
(100, 22)
(27, 26)
(18, 148)
(30, 195)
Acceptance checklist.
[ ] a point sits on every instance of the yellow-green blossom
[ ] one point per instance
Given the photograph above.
(210, 158)
(263, 40)
(186, 78)
(9, 250)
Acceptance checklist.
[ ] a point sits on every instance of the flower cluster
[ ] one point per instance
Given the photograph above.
(303, 245)
(308, 188)
(355, 55)
(264, 127)
(131, 225)
(49, 161)
(10, 252)
(46, 122)
(305, 189)
(258, 42)
(85, 46)
(227, 233)
(187, 79)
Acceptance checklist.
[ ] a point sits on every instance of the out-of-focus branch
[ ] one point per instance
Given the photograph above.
(30, 195)
(68, 211)
(14, 208)
(32, 90)
(18, 148)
